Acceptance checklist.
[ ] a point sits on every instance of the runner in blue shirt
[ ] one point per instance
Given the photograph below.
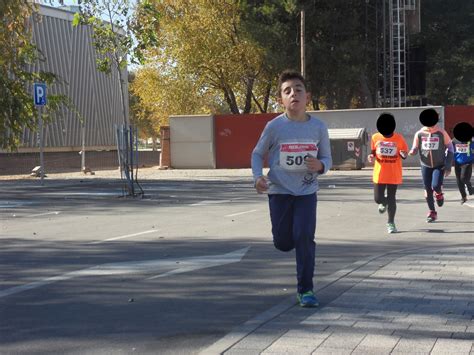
(463, 158)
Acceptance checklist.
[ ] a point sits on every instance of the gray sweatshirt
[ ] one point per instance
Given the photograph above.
(286, 143)
(435, 147)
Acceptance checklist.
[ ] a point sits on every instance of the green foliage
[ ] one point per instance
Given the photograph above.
(234, 50)
(206, 47)
(274, 26)
(17, 109)
(447, 35)
(117, 32)
(118, 35)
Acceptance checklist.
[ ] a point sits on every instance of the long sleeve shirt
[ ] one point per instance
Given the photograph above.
(463, 152)
(435, 147)
(286, 143)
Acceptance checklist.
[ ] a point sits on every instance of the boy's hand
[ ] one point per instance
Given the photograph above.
(261, 184)
(412, 152)
(370, 158)
(313, 164)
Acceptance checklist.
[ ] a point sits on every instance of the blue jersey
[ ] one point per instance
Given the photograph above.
(286, 143)
(463, 152)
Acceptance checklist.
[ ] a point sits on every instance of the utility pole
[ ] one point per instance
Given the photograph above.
(303, 55)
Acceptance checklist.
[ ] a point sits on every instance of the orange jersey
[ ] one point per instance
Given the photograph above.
(388, 163)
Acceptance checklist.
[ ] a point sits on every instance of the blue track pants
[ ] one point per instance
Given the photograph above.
(433, 181)
(293, 227)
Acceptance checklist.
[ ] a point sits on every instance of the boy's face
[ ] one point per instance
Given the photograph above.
(294, 96)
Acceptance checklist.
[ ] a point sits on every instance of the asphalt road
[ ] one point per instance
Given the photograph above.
(85, 271)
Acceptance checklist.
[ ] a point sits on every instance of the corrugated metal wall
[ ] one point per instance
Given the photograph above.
(68, 52)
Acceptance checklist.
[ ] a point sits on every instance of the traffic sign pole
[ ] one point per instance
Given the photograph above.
(40, 122)
(40, 100)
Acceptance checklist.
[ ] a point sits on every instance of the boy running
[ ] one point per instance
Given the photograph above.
(432, 142)
(463, 158)
(297, 147)
(388, 149)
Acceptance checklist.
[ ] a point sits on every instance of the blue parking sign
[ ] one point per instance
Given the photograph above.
(40, 94)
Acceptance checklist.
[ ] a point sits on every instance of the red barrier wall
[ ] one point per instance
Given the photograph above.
(236, 136)
(455, 114)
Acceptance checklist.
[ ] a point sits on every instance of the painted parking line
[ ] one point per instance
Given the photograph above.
(13, 204)
(209, 202)
(124, 236)
(177, 266)
(84, 193)
(239, 213)
(214, 202)
(43, 214)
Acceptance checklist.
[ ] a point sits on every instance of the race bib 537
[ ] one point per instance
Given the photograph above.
(388, 149)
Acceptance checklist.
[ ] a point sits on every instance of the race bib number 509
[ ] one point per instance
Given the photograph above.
(293, 155)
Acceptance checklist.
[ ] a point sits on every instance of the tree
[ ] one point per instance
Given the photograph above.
(18, 54)
(336, 55)
(204, 45)
(336, 58)
(118, 34)
(159, 94)
(273, 24)
(447, 34)
(140, 116)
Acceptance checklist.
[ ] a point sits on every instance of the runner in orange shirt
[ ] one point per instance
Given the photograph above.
(388, 149)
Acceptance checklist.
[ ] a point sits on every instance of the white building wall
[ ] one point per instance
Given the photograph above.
(407, 119)
(68, 52)
(192, 142)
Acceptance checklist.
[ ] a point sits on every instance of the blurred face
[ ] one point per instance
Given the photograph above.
(386, 124)
(294, 96)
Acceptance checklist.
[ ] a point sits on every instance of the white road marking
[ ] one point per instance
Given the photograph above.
(13, 204)
(203, 262)
(214, 202)
(124, 236)
(43, 214)
(176, 266)
(209, 202)
(240, 213)
(84, 193)
(468, 205)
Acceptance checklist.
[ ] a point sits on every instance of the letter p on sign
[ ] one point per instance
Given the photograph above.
(40, 94)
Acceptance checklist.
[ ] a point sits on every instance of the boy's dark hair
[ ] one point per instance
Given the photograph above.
(289, 74)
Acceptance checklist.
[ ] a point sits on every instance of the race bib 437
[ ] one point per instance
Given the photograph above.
(430, 143)
(462, 148)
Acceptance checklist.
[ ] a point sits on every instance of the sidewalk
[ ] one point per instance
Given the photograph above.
(418, 301)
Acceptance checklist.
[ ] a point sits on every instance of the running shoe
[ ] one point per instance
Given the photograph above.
(391, 228)
(382, 208)
(439, 198)
(307, 299)
(463, 200)
(432, 216)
